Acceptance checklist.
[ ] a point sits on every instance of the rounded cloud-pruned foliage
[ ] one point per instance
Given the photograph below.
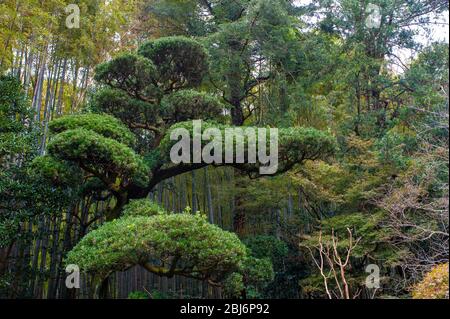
(131, 73)
(154, 88)
(105, 157)
(60, 173)
(133, 112)
(190, 105)
(295, 145)
(180, 62)
(165, 244)
(142, 207)
(105, 125)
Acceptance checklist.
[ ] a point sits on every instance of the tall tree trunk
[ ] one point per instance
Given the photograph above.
(61, 89)
(53, 278)
(27, 75)
(37, 96)
(48, 106)
(209, 199)
(43, 259)
(194, 192)
(37, 247)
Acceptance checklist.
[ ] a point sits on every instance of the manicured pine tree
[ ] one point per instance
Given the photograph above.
(124, 146)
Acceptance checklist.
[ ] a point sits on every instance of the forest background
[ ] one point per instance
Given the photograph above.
(363, 182)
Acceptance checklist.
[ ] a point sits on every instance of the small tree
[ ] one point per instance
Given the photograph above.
(165, 244)
(333, 263)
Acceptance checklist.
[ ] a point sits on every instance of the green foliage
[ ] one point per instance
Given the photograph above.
(104, 125)
(190, 105)
(153, 89)
(258, 269)
(306, 143)
(142, 207)
(295, 145)
(60, 173)
(16, 142)
(158, 295)
(257, 274)
(251, 279)
(427, 74)
(368, 228)
(8, 231)
(15, 135)
(270, 247)
(119, 104)
(234, 285)
(393, 148)
(25, 192)
(12, 105)
(175, 18)
(134, 74)
(138, 295)
(184, 240)
(350, 17)
(98, 154)
(181, 62)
